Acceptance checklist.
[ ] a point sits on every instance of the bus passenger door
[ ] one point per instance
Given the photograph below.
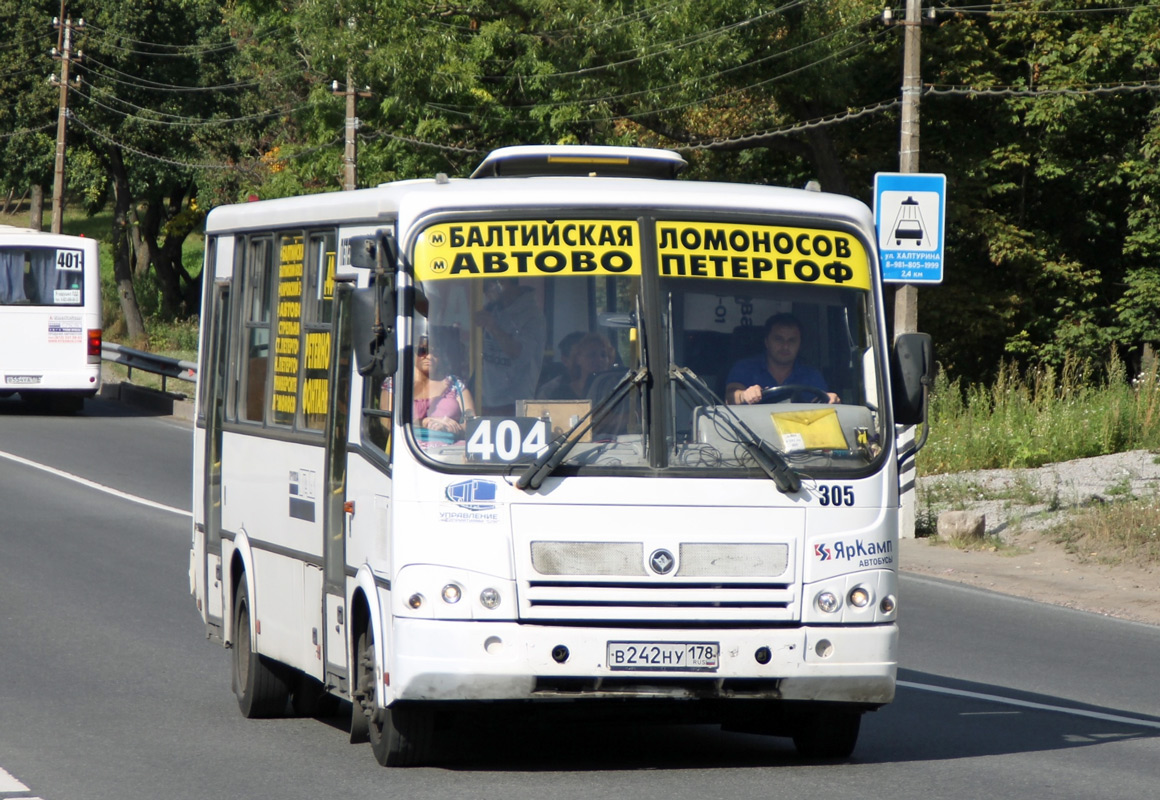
(216, 359)
(334, 520)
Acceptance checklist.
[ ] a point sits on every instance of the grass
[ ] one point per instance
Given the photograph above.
(1124, 530)
(1043, 416)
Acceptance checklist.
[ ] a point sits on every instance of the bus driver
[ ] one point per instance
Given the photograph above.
(751, 377)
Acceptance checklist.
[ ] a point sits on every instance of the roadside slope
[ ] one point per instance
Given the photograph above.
(1022, 558)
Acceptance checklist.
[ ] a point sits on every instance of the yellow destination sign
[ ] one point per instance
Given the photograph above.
(761, 253)
(528, 248)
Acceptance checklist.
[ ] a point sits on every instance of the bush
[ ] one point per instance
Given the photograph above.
(1041, 416)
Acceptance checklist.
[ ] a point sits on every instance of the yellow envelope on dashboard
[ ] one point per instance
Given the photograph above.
(817, 429)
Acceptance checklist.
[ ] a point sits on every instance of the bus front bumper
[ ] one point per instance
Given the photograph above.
(448, 660)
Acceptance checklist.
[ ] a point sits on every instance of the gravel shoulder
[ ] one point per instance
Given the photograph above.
(1020, 558)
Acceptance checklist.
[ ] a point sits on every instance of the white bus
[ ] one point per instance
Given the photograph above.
(463, 447)
(50, 317)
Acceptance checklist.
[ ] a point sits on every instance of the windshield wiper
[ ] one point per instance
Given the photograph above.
(555, 453)
(770, 460)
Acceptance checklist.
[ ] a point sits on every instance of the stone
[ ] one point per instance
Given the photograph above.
(968, 525)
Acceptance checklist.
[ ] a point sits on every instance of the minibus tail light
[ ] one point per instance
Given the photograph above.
(94, 345)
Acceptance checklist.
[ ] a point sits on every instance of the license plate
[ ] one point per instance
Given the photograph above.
(22, 380)
(666, 656)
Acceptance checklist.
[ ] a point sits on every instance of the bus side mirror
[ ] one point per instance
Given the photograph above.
(365, 251)
(911, 373)
(373, 309)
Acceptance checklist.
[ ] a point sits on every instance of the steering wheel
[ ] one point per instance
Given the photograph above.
(786, 392)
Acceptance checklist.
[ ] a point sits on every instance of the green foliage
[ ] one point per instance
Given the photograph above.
(1044, 415)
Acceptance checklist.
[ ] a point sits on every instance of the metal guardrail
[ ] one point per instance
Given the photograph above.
(149, 362)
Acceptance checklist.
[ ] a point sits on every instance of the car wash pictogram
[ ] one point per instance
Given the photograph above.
(908, 224)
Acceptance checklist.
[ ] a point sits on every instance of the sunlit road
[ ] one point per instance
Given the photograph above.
(108, 688)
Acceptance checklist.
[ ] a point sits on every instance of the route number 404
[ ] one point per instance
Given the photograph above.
(835, 495)
(494, 439)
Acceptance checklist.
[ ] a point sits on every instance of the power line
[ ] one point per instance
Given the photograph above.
(665, 47)
(178, 50)
(148, 85)
(1044, 91)
(732, 92)
(22, 42)
(731, 143)
(189, 122)
(196, 165)
(22, 132)
(645, 12)
(30, 68)
(419, 142)
(998, 9)
(695, 80)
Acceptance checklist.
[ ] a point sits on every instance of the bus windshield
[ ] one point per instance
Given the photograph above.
(41, 276)
(516, 350)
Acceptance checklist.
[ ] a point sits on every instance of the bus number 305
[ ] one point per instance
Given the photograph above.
(835, 495)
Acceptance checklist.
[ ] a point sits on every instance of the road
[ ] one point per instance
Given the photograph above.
(108, 688)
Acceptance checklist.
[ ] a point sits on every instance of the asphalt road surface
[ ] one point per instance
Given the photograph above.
(108, 688)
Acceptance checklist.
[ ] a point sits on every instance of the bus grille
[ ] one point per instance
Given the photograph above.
(712, 583)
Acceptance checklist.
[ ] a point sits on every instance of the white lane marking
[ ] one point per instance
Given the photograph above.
(1011, 701)
(100, 487)
(8, 782)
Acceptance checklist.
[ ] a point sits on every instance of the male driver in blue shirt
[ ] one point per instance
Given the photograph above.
(752, 377)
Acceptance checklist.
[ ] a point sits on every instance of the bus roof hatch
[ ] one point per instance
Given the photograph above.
(584, 160)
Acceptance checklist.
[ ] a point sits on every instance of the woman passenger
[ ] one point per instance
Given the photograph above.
(441, 402)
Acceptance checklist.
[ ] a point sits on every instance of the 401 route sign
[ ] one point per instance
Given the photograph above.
(909, 215)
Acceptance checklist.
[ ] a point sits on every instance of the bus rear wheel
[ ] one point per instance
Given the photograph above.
(827, 734)
(400, 736)
(261, 691)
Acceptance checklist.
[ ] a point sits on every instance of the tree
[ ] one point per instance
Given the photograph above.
(28, 109)
(150, 76)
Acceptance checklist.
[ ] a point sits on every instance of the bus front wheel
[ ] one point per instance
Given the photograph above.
(827, 734)
(400, 736)
(261, 691)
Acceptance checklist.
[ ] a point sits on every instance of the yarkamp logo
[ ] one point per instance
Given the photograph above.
(474, 495)
(841, 551)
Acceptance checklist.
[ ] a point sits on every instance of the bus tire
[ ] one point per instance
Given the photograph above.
(362, 696)
(400, 736)
(827, 734)
(260, 690)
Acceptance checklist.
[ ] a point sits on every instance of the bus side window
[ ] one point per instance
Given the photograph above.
(256, 386)
(378, 403)
(256, 324)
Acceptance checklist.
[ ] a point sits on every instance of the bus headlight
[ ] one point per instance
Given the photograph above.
(489, 598)
(828, 602)
(859, 597)
(451, 593)
(888, 604)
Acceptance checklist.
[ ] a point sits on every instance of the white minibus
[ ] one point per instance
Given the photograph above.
(50, 317)
(492, 444)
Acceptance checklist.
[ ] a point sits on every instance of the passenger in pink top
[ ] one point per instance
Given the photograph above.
(442, 404)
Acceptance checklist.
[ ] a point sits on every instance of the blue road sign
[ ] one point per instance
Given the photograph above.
(909, 215)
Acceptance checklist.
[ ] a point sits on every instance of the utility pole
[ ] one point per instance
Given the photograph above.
(63, 51)
(906, 296)
(350, 155)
